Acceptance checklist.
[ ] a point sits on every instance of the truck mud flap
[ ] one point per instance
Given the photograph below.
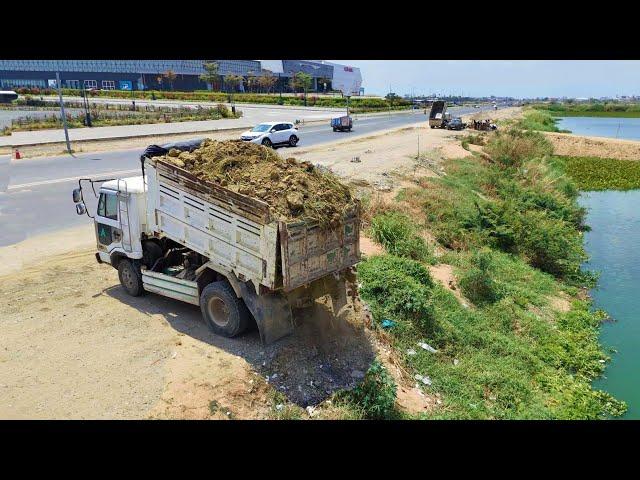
(272, 314)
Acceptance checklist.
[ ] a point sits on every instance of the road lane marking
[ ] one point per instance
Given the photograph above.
(70, 179)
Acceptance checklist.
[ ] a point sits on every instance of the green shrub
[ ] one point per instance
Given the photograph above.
(552, 245)
(398, 235)
(538, 120)
(398, 289)
(376, 395)
(477, 283)
(513, 147)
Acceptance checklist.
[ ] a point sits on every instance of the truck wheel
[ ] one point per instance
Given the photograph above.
(130, 278)
(433, 126)
(293, 140)
(335, 129)
(224, 313)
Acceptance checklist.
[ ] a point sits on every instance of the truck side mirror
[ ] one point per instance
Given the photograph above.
(77, 196)
(81, 209)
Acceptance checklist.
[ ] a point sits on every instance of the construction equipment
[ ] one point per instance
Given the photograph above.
(171, 233)
(438, 117)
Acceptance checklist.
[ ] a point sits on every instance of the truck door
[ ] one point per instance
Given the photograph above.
(108, 230)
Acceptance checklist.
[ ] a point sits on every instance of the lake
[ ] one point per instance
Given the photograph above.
(626, 128)
(614, 247)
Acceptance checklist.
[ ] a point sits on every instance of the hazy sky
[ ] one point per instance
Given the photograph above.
(517, 78)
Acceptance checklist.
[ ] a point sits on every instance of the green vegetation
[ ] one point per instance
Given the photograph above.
(477, 282)
(527, 347)
(374, 398)
(538, 120)
(101, 117)
(594, 173)
(398, 234)
(591, 109)
(356, 104)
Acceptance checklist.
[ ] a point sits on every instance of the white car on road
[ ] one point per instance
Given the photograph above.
(273, 134)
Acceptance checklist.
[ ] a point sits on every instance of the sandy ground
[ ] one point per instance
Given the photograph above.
(74, 345)
(578, 146)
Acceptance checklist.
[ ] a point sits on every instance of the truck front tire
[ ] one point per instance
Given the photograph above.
(224, 313)
(130, 278)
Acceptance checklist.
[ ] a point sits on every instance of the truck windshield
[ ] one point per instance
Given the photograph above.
(263, 127)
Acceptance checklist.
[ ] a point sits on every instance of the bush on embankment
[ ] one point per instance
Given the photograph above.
(512, 226)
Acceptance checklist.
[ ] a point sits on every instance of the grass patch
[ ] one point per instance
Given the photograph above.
(539, 120)
(398, 234)
(591, 109)
(594, 173)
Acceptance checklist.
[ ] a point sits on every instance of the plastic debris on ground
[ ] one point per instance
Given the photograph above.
(423, 378)
(427, 347)
(411, 351)
(386, 323)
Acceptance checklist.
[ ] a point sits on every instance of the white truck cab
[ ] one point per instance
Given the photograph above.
(120, 218)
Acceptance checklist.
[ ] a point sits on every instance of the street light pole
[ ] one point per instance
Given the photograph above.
(64, 116)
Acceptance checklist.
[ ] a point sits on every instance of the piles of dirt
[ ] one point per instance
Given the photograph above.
(293, 190)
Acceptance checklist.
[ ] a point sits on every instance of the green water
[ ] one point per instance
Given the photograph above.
(614, 247)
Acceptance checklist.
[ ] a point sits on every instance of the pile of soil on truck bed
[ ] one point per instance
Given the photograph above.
(294, 190)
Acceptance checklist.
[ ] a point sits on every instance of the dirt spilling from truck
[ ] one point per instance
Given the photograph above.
(294, 190)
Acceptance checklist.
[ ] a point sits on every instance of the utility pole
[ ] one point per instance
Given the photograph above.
(64, 116)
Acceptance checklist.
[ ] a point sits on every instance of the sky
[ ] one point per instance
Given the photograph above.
(515, 78)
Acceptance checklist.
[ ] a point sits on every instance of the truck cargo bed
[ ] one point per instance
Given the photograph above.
(237, 232)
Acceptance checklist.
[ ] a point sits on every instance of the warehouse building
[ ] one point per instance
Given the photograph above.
(180, 75)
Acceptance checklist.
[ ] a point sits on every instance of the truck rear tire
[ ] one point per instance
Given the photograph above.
(130, 278)
(224, 313)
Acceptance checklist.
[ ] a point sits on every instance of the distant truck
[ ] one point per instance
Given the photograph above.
(171, 233)
(342, 124)
(438, 117)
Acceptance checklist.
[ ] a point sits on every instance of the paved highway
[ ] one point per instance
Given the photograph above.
(38, 199)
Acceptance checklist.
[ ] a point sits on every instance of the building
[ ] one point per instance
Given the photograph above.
(152, 74)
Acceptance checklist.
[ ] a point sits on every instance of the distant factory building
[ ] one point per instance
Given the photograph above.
(179, 75)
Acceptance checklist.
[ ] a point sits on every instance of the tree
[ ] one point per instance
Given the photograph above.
(170, 76)
(159, 79)
(267, 80)
(304, 81)
(210, 75)
(251, 81)
(392, 98)
(233, 82)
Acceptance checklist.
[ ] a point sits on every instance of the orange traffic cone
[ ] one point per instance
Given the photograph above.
(17, 154)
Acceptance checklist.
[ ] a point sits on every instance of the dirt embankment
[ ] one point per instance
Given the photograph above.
(578, 146)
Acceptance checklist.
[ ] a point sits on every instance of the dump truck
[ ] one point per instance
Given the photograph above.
(173, 234)
(342, 124)
(438, 117)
